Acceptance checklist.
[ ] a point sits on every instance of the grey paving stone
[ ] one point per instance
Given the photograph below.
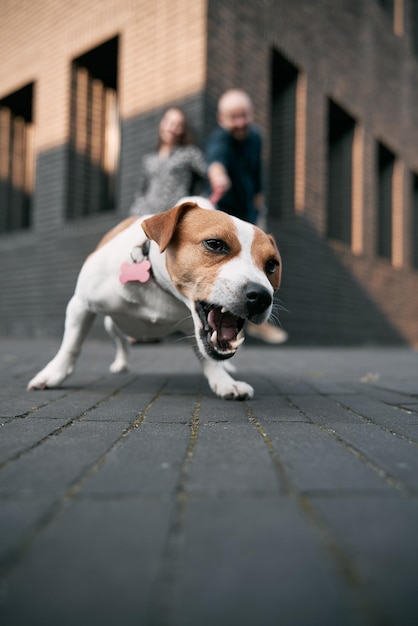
(231, 458)
(15, 403)
(315, 461)
(410, 406)
(73, 405)
(213, 409)
(55, 464)
(253, 561)
(172, 408)
(323, 409)
(384, 395)
(94, 564)
(187, 383)
(264, 384)
(146, 383)
(327, 386)
(397, 457)
(391, 417)
(407, 386)
(18, 518)
(20, 434)
(148, 460)
(276, 409)
(285, 509)
(126, 406)
(288, 385)
(380, 534)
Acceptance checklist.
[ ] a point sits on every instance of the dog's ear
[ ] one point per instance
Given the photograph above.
(161, 227)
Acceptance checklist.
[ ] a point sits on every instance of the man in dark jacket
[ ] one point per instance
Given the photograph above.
(234, 157)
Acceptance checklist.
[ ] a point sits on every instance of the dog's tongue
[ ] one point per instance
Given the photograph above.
(224, 323)
(228, 329)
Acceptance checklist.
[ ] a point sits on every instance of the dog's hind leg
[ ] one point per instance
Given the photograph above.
(78, 321)
(120, 363)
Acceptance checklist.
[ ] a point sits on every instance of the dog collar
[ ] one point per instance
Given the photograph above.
(139, 270)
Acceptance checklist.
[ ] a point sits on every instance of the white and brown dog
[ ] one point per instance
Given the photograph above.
(189, 269)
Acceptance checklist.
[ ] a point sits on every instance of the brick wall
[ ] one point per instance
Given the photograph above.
(347, 52)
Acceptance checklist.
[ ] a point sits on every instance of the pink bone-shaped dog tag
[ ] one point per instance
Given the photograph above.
(135, 272)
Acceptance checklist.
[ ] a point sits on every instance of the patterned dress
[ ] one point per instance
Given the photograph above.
(164, 180)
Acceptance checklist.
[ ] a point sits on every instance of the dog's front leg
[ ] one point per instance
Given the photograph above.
(223, 384)
(78, 322)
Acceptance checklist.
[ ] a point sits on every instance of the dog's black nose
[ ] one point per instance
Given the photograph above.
(258, 299)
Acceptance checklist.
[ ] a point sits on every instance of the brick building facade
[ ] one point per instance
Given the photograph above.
(335, 85)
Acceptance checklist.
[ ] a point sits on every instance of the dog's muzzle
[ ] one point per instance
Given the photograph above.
(222, 330)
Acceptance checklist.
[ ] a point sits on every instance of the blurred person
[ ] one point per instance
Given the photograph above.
(169, 173)
(234, 157)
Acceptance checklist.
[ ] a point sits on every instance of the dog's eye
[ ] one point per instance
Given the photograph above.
(216, 245)
(271, 266)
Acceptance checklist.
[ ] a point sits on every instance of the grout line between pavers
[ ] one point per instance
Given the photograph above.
(386, 476)
(65, 426)
(347, 569)
(161, 596)
(15, 556)
(280, 467)
(33, 410)
(73, 490)
(367, 420)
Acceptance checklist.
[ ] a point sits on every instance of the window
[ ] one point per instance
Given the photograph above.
(388, 6)
(414, 26)
(340, 173)
(414, 228)
(284, 77)
(385, 166)
(16, 159)
(94, 132)
(395, 13)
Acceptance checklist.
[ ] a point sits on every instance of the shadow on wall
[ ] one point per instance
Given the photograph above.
(15, 206)
(325, 304)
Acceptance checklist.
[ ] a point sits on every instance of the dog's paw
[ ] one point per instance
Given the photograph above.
(119, 367)
(53, 374)
(235, 390)
(46, 379)
(223, 384)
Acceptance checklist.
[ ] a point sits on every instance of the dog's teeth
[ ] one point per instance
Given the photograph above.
(224, 309)
(237, 343)
(239, 340)
(214, 338)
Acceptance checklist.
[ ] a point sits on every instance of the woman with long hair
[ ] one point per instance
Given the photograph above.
(168, 174)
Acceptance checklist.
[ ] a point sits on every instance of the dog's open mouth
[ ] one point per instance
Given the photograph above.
(222, 332)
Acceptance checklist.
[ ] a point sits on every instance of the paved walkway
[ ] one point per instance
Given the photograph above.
(142, 499)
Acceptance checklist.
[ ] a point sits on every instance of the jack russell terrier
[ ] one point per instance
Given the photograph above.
(189, 269)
